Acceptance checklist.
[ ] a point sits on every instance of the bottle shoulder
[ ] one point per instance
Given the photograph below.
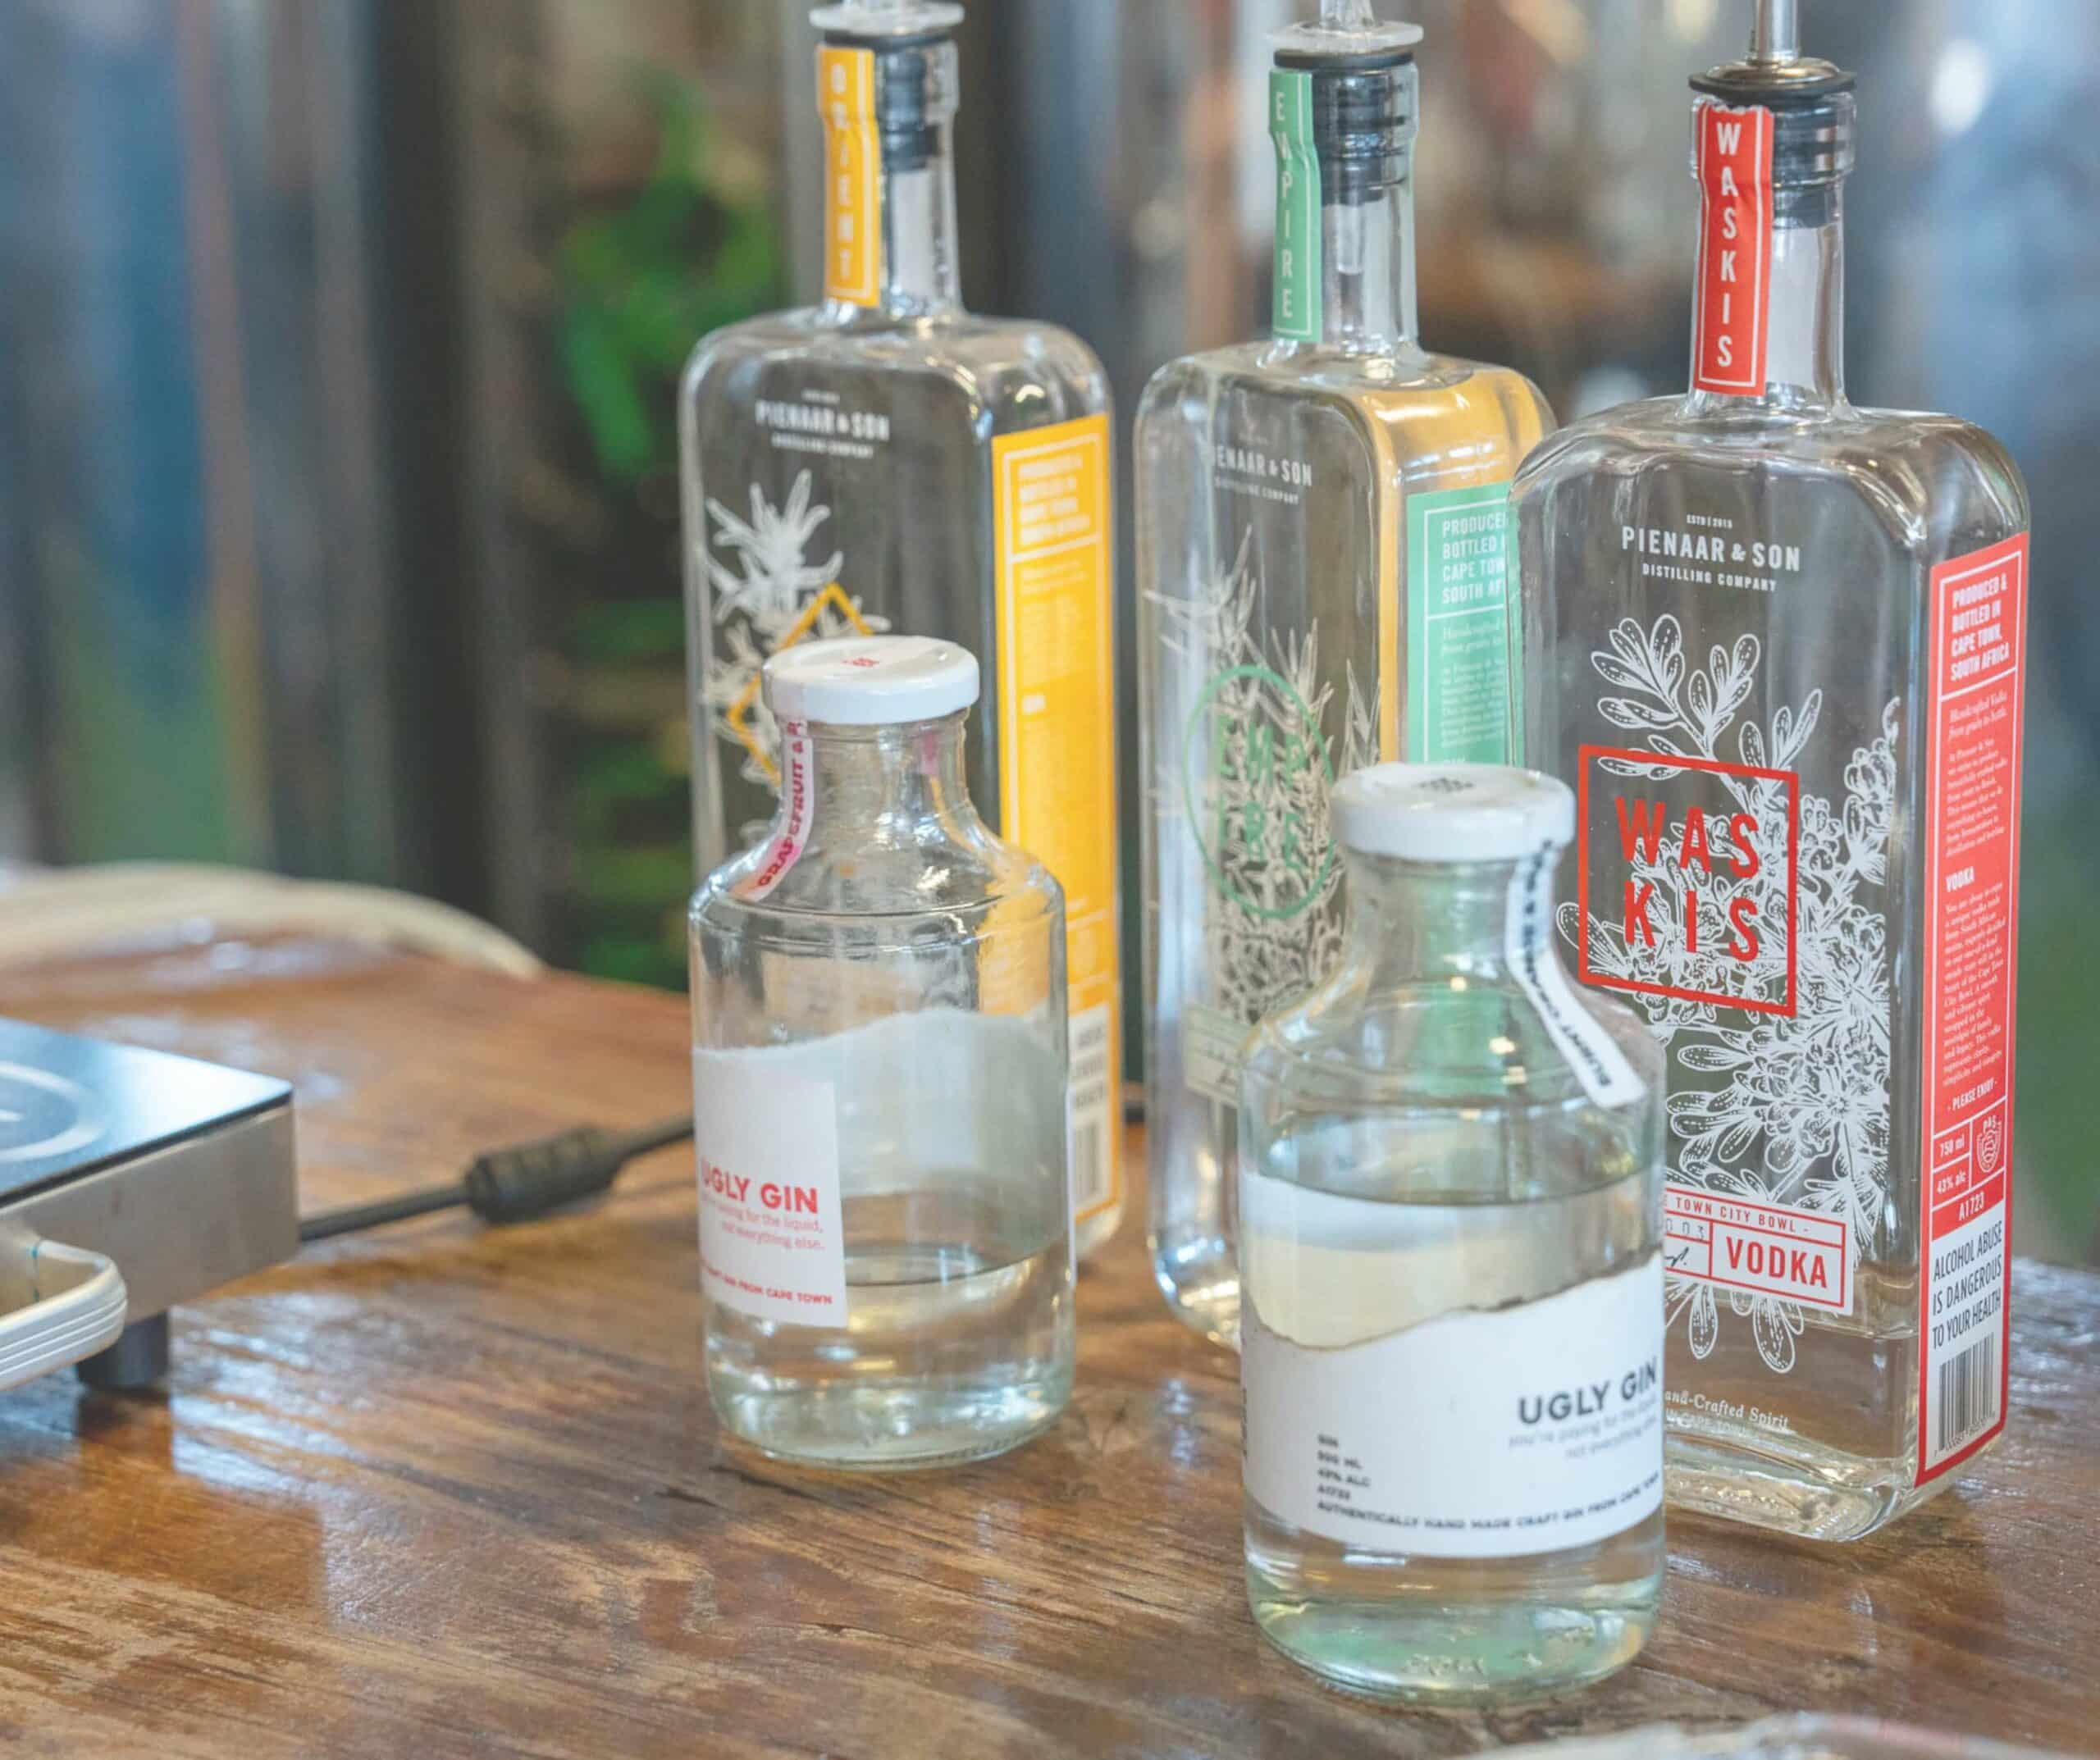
(1454, 423)
(1933, 480)
(952, 886)
(1293, 370)
(1434, 1044)
(995, 361)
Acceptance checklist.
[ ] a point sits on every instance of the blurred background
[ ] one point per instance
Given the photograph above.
(337, 514)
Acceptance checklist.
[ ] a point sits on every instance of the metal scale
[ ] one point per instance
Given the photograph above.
(130, 1180)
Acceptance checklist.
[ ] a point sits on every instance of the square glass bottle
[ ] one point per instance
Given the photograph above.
(1322, 558)
(1775, 642)
(888, 461)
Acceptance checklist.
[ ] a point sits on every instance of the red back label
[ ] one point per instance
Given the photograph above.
(1733, 296)
(1979, 607)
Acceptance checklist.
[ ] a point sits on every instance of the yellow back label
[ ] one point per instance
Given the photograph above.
(853, 176)
(1052, 515)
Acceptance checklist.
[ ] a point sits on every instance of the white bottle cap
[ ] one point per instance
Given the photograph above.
(1452, 812)
(870, 681)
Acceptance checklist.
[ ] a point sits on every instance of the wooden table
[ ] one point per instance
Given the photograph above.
(446, 1491)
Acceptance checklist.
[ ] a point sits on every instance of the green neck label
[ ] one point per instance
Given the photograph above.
(1297, 316)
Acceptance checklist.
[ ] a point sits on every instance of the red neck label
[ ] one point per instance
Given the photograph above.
(1734, 294)
(791, 831)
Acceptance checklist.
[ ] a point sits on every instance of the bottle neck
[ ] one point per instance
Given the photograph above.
(1804, 330)
(1344, 233)
(887, 787)
(889, 178)
(1367, 251)
(921, 271)
(1409, 922)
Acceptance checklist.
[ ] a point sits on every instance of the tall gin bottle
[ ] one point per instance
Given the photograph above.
(1322, 552)
(1775, 643)
(886, 460)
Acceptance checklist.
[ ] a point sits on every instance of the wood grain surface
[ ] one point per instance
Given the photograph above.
(448, 1491)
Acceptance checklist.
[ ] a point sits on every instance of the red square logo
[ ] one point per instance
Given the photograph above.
(1687, 879)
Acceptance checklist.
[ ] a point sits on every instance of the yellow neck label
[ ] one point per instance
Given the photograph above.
(853, 176)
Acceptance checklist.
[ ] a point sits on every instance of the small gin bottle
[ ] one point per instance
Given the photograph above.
(1776, 643)
(888, 461)
(879, 1080)
(1322, 558)
(1450, 1172)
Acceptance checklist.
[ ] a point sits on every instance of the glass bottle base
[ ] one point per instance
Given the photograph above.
(1811, 1492)
(1454, 1631)
(1201, 1282)
(891, 1429)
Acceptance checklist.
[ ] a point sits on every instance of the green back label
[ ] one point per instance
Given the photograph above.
(1459, 672)
(1297, 312)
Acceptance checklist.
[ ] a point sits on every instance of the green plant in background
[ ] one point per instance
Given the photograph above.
(2057, 1110)
(639, 284)
(642, 284)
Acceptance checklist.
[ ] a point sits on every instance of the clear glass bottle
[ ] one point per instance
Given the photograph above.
(888, 461)
(1322, 558)
(1775, 642)
(1450, 1251)
(878, 1075)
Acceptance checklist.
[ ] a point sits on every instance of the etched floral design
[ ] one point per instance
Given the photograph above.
(1790, 1109)
(773, 579)
(775, 595)
(1253, 775)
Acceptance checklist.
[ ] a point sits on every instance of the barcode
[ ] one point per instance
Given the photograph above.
(1089, 1109)
(1968, 1392)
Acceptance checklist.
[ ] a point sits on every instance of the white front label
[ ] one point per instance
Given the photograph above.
(772, 1224)
(1474, 1435)
(1779, 1250)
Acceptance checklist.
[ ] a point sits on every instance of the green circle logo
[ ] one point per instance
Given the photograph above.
(1255, 777)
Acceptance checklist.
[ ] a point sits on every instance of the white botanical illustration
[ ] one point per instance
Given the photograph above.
(758, 604)
(1778, 1109)
(1274, 926)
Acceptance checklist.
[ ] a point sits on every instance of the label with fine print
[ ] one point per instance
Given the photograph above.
(790, 829)
(1295, 316)
(1978, 610)
(1477, 1434)
(1787, 1252)
(1734, 290)
(1054, 545)
(853, 176)
(1601, 1067)
(772, 1221)
(1458, 686)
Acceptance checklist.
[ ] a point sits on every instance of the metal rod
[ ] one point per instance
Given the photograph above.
(1776, 36)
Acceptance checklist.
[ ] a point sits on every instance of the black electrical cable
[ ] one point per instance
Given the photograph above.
(513, 1184)
(528, 1179)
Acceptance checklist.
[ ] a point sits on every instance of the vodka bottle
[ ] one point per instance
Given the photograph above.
(1322, 554)
(879, 1062)
(1775, 642)
(887, 461)
(1450, 1255)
